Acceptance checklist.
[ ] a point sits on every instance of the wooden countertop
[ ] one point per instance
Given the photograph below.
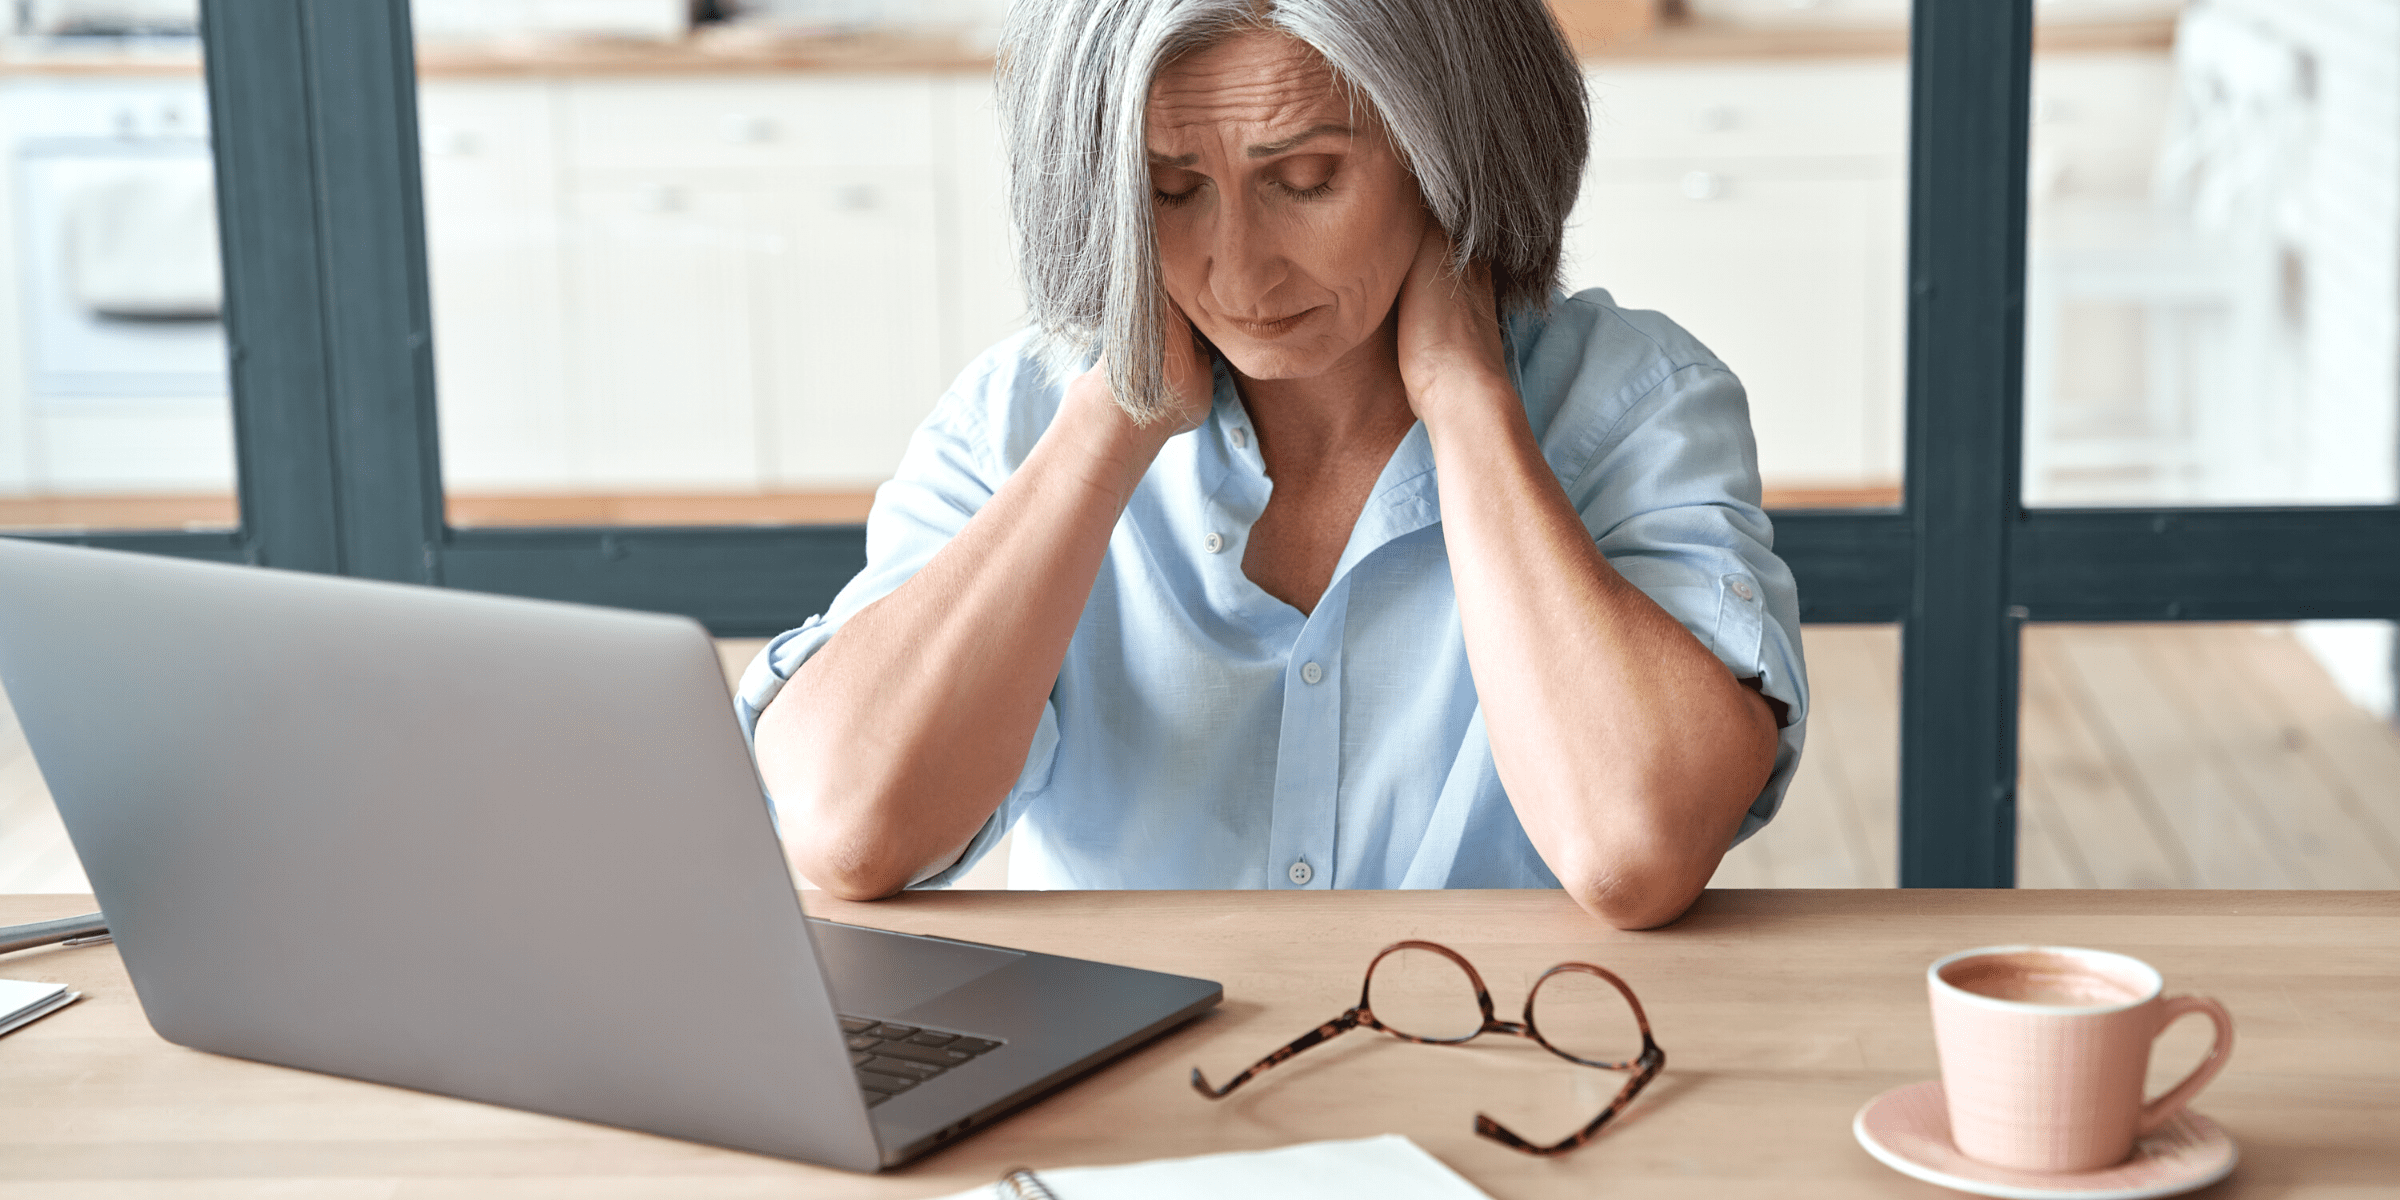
(735, 52)
(1781, 1012)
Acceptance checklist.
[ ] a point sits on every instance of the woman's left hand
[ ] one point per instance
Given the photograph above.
(1451, 352)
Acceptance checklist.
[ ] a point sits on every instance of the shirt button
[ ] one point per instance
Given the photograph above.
(1213, 543)
(1301, 874)
(1241, 437)
(1311, 672)
(1742, 588)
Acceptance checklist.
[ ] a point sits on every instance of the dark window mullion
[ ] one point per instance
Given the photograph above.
(254, 57)
(1970, 70)
(313, 112)
(2208, 564)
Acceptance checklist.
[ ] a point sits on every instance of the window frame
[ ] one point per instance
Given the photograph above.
(329, 327)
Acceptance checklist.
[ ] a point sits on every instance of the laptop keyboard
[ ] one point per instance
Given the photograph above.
(891, 1058)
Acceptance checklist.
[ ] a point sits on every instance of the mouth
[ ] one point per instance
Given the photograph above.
(1275, 327)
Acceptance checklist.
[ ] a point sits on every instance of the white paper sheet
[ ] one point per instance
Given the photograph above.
(1390, 1167)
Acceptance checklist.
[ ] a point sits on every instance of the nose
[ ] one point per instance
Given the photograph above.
(1246, 262)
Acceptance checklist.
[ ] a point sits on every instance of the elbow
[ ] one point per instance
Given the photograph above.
(859, 887)
(1641, 874)
(1643, 900)
(838, 848)
(846, 867)
(832, 840)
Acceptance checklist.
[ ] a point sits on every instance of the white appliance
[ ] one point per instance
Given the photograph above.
(117, 245)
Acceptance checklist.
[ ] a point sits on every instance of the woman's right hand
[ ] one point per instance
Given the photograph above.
(1191, 385)
(1189, 380)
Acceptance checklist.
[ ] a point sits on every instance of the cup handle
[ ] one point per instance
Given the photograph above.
(2158, 1112)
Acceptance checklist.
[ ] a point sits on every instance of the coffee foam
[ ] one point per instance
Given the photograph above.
(2043, 978)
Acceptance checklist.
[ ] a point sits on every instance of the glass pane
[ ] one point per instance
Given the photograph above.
(702, 276)
(2212, 305)
(718, 274)
(1839, 826)
(1749, 179)
(113, 409)
(2209, 756)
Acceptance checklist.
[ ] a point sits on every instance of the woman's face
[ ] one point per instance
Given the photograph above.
(1286, 222)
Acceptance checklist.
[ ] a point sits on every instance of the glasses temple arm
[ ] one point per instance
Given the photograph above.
(1325, 1032)
(1652, 1061)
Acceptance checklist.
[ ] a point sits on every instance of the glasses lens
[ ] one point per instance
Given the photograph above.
(1585, 1016)
(1424, 995)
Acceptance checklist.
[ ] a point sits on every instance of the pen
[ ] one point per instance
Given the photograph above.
(90, 927)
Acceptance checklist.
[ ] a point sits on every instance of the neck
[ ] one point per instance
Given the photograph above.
(1359, 405)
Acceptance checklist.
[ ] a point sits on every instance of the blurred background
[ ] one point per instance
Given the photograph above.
(710, 263)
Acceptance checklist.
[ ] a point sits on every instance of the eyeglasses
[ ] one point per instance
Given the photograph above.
(1433, 995)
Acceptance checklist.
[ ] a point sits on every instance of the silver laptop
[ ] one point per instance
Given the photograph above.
(505, 850)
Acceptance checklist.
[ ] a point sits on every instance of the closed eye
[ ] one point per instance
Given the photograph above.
(1172, 185)
(1307, 176)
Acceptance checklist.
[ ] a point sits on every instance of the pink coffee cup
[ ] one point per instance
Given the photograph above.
(2044, 1050)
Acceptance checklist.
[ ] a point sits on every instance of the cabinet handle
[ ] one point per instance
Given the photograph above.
(443, 141)
(660, 198)
(743, 129)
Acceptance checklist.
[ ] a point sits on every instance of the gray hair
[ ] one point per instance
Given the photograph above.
(1482, 100)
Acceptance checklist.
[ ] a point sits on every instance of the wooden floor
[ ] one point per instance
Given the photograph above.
(2152, 756)
(2209, 756)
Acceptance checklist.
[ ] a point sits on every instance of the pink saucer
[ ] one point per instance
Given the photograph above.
(1908, 1130)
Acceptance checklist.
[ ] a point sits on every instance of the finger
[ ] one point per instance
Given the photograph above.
(1433, 251)
(1181, 342)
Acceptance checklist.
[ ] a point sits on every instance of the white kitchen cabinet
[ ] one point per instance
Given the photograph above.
(1794, 283)
(690, 284)
(734, 281)
(664, 282)
(495, 254)
(766, 282)
(1762, 206)
(807, 121)
(1751, 109)
(979, 249)
(855, 352)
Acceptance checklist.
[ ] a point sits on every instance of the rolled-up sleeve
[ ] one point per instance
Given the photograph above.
(1671, 495)
(953, 466)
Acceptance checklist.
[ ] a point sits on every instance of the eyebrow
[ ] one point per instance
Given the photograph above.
(1263, 150)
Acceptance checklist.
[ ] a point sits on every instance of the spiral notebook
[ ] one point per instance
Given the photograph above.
(1390, 1167)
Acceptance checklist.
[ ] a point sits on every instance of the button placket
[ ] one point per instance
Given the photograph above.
(1308, 754)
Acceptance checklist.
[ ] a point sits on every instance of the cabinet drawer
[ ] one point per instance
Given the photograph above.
(1798, 284)
(688, 122)
(1749, 109)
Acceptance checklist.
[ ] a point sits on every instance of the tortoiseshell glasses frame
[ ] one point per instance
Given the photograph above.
(1645, 1066)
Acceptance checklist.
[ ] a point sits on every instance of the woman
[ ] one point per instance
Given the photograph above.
(1309, 539)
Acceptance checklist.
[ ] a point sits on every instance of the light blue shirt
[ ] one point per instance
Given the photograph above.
(1204, 734)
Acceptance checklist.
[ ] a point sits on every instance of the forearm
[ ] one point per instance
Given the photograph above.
(1626, 747)
(897, 740)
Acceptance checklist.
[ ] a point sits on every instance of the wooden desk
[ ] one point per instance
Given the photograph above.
(1781, 1012)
